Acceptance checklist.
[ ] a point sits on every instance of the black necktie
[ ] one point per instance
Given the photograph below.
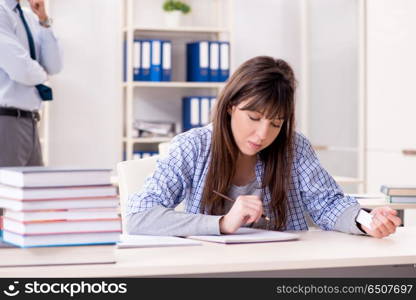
(45, 92)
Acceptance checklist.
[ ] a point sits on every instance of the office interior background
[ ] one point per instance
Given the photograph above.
(354, 62)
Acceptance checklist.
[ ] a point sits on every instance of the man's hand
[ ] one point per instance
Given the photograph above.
(385, 222)
(245, 210)
(38, 7)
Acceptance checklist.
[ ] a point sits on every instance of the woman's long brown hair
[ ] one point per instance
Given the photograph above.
(269, 84)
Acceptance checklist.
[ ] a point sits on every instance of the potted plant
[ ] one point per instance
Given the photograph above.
(173, 11)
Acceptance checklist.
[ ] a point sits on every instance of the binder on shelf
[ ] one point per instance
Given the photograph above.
(211, 106)
(205, 116)
(224, 71)
(156, 63)
(146, 60)
(166, 60)
(214, 61)
(197, 61)
(190, 113)
(136, 60)
(125, 61)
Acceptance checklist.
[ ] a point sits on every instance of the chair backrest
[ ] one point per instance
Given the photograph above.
(131, 177)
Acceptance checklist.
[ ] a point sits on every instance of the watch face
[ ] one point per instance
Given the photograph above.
(47, 23)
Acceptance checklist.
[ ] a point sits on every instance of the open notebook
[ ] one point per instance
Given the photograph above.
(247, 235)
(138, 241)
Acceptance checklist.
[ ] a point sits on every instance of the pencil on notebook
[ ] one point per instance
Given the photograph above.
(229, 199)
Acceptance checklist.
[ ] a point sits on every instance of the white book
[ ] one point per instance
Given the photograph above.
(53, 176)
(66, 239)
(11, 192)
(247, 235)
(55, 227)
(139, 241)
(59, 203)
(62, 214)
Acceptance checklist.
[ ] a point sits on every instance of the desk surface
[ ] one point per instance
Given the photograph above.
(315, 249)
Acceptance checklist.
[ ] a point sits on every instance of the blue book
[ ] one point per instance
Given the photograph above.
(214, 61)
(136, 60)
(197, 61)
(204, 104)
(224, 71)
(145, 60)
(166, 60)
(191, 112)
(156, 60)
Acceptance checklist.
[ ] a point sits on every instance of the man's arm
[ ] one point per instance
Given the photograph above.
(15, 60)
(50, 54)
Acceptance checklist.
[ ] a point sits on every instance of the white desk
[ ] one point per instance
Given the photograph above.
(313, 253)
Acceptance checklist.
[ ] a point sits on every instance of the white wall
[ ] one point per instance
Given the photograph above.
(273, 28)
(333, 37)
(85, 126)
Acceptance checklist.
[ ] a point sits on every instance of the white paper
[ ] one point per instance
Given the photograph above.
(248, 235)
(138, 241)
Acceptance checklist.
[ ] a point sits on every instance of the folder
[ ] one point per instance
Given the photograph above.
(224, 72)
(214, 61)
(156, 60)
(145, 62)
(136, 60)
(204, 104)
(190, 113)
(211, 106)
(197, 61)
(166, 61)
(124, 61)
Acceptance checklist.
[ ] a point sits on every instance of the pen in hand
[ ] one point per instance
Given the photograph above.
(229, 199)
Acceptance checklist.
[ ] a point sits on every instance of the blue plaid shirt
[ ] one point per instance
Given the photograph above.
(180, 176)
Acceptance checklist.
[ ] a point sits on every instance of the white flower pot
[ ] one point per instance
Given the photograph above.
(173, 18)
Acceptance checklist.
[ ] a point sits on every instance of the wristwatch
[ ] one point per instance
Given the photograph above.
(47, 23)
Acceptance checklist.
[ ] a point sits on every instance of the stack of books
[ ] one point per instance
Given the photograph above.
(399, 194)
(58, 206)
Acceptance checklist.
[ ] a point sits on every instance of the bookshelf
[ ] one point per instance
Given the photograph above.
(161, 101)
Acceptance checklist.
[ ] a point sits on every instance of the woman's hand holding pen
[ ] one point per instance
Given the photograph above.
(385, 222)
(245, 210)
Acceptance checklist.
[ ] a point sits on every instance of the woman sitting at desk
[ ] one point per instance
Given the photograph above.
(251, 153)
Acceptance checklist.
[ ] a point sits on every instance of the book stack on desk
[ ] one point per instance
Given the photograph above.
(58, 206)
(399, 194)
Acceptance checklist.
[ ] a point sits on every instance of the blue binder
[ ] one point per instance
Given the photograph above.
(214, 61)
(156, 60)
(204, 104)
(197, 61)
(224, 61)
(212, 101)
(191, 112)
(124, 61)
(145, 60)
(136, 57)
(166, 61)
